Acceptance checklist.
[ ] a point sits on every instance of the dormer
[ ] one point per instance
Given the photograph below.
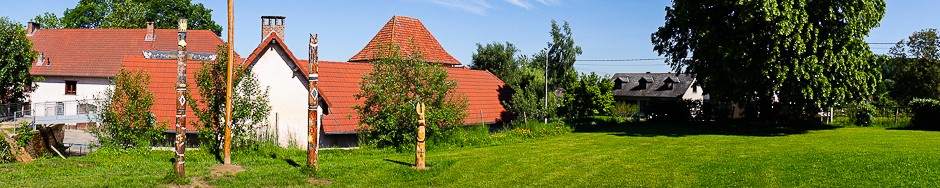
(670, 82)
(621, 82)
(645, 82)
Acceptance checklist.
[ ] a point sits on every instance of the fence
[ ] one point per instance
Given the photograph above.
(884, 116)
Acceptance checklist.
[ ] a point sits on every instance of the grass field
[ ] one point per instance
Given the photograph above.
(606, 156)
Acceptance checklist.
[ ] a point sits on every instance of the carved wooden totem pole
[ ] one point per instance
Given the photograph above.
(181, 100)
(313, 126)
(420, 150)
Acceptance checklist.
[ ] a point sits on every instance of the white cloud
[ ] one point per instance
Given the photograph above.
(550, 2)
(521, 3)
(474, 6)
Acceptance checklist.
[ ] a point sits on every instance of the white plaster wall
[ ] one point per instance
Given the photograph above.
(693, 93)
(52, 90)
(288, 96)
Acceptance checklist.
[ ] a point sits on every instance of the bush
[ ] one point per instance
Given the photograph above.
(864, 114)
(125, 113)
(926, 113)
(624, 109)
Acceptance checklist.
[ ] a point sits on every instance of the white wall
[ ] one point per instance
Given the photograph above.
(287, 94)
(693, 93)
(52, 90)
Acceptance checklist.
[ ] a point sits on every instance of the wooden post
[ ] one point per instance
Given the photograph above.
(313, 138)
(227, 145)
(181, 100)
(421, 148)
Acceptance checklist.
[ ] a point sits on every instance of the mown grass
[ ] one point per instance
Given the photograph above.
(627, 155)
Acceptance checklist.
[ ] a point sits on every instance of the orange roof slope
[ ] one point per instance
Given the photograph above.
(99, 52)
(400, 30)
(163, 86)
(339, 83)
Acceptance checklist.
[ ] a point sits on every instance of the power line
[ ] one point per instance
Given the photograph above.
(631, 65)
(622, 60)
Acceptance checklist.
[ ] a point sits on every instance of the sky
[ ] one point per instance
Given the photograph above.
(605, 29)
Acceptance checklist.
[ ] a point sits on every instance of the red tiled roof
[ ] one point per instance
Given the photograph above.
(163, 86)
(99, 52)
(339, 83)
(401, 30)
(278, 41)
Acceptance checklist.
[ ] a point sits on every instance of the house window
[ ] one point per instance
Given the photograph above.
(670, 85)
(86, 108)
(70, 87)
(60, 108)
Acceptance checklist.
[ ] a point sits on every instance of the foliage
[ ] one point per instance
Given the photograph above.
(590, 95)
(497, 58)
(863, 114)
(926, 113)
(624, 109)
(250, 103)
(802, 52)
(528, 98)
(561, 55)
(397, 83)
(915, 63)
(132, 14)
(125, 113)
(16, 57)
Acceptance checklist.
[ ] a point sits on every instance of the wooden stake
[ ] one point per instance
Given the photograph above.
(421, 148)
(313, 126)
(181, 100)
(227, 145)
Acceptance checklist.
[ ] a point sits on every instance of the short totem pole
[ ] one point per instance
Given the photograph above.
(313, 126)
(181, 100)
(420, 150)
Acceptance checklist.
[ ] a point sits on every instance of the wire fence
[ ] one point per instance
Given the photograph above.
(884, 116)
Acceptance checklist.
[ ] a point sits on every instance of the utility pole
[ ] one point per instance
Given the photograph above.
(547, 55)
(227, 146)
(313, 117)
(181, 99)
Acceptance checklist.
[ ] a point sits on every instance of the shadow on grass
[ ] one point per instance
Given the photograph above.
(681, 129)
(400, 162)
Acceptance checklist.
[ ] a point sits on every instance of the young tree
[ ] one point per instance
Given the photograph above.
(16, 56)
(561, 57)
(249, 102)
(590, 95)
(802, 52)
(528, 98)
(917, 66)
(498, 58)
(125, 113)
(132, 14)
(397, 83)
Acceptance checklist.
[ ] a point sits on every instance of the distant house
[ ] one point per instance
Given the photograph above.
(644, 88)
(277, 67)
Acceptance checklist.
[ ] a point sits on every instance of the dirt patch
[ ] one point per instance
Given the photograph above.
(85, 165)
(225, 169)
(318, 181)
(193, 182)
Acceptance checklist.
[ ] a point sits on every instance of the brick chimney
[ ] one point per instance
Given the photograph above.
(150, 34)
(272, 24)
(31, 28)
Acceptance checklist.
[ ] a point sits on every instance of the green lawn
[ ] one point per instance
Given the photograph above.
(634, 155)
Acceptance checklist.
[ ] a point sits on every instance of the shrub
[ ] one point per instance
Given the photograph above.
(624, 109)
(125, 113)
(864, 114)
(926, 113)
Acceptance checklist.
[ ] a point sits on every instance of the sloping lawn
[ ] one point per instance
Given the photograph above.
(634, 155)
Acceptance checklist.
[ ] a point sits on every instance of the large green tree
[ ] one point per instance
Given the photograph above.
(915, 61)
(807, 53)
(132, 14)
(561, 53)
(498, 58)
(589, 96)
(390, 92)
(16, 55)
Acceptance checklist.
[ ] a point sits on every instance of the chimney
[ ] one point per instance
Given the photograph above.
(31, 28)
(272, 24)
(150, 34)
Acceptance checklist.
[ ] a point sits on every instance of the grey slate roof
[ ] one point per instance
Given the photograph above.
(655, 87)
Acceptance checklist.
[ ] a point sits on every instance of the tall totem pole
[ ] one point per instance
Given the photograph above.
(420, 146)
(313, 117)
(181, 99)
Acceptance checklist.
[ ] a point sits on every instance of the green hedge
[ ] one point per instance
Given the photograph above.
(926, 113)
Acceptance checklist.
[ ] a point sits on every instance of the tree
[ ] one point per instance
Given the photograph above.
(561, 57)
(16, 57)
(808, 54)
(590, 95)
(528, 98)
(497, 58)
(132, 14)
(397, 83)
(249, 102)
(125, 113)
(916, 63)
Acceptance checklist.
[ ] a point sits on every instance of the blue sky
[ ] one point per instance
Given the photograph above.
(605, 29)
